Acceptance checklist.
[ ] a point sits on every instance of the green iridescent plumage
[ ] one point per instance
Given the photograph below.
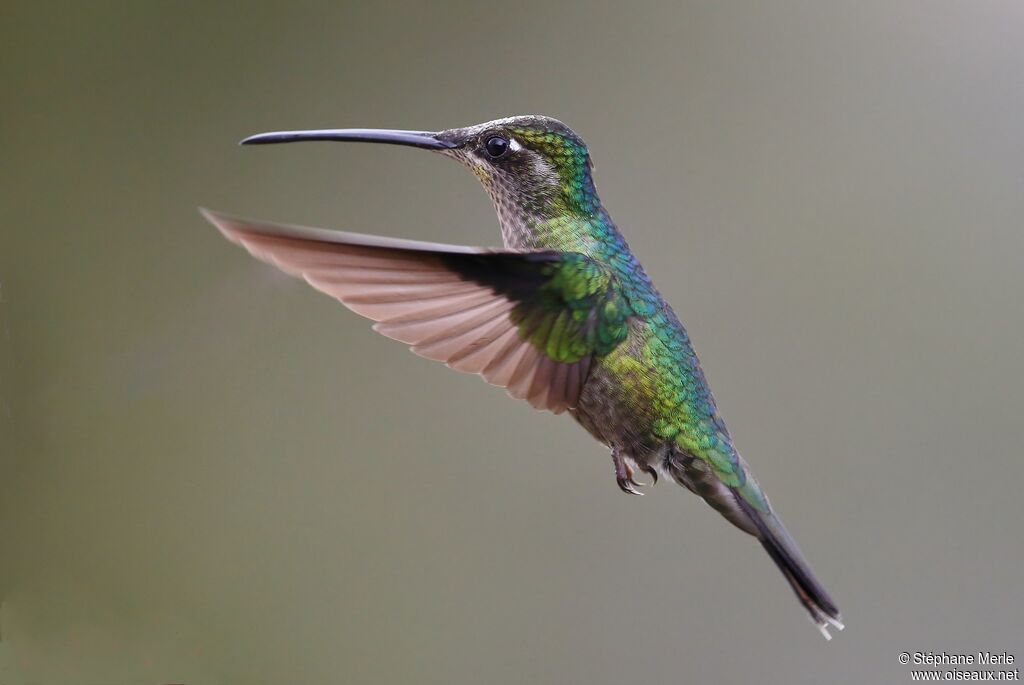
(578, 311)
(571, 160)
(652, 403)
(672, 381)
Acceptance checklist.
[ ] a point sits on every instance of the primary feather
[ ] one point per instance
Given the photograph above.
(525, 320)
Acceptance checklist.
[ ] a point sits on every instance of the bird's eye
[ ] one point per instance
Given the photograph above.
(496, 146)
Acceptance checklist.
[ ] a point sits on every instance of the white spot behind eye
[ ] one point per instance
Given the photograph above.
(514, 145)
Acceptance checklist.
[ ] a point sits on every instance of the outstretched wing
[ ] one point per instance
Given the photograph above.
(529, 321)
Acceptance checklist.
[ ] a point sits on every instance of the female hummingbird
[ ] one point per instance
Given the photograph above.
(564, 316)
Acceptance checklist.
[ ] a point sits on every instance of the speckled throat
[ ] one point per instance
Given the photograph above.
(520, 216)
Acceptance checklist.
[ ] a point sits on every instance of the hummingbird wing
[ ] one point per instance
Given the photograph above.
(528, 321)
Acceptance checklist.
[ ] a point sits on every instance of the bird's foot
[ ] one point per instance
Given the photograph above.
(624, 473)
(650, 471)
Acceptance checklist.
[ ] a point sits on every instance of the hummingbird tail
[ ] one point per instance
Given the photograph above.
(786, 555)
(747, 508)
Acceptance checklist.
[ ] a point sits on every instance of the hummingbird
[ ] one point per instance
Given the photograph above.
(564, 316)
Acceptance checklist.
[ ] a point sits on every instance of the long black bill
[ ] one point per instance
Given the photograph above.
(423, 139)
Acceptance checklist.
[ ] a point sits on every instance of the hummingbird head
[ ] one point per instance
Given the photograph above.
(535, 168)
(534, 165)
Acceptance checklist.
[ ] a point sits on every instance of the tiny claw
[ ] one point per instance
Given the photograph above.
(628, 485)
(624, 474)
(650, 471)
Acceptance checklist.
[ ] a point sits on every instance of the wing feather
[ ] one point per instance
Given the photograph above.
(450, 303)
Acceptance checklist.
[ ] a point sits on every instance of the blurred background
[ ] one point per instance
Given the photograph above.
(209, 473)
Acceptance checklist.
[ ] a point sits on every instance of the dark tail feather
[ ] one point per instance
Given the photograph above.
(784, 552)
